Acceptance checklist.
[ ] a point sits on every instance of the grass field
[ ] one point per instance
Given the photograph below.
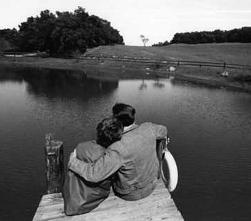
(239, 53)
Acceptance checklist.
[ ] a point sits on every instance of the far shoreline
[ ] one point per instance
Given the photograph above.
(120, 70)
(94, 64)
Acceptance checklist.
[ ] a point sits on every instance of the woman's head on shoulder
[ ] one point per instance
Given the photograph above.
(109, 130)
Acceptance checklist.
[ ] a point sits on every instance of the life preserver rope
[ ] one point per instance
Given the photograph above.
(170, 177)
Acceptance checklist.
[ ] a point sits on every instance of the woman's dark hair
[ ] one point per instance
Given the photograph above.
(124, 113)
(109, 131)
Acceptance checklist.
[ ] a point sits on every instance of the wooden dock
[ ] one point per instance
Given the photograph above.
(158, 206)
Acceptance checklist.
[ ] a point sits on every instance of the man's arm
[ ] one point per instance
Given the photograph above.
(102, 168)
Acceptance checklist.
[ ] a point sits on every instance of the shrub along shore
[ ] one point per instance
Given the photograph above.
(94, 64)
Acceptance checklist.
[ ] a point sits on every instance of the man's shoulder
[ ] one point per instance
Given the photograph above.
(146, 124)
(89, 149)
(150, 129)
(150, 125)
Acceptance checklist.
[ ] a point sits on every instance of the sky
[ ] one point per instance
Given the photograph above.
(158, 20)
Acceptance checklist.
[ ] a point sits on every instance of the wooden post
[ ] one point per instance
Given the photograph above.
(54, 157)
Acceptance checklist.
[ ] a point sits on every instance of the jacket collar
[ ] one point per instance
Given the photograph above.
(129, 128)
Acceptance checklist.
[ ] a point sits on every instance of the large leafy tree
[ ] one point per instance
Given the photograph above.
(65, 33)
(35, 33)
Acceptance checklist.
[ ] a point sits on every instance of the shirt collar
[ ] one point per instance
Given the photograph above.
(129, 128)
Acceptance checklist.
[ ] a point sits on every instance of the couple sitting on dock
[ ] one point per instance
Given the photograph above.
(123, 157)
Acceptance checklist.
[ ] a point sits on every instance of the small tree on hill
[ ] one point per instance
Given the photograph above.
(144, 39)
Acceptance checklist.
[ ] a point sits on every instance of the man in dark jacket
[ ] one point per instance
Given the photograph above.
(133, 158)
(81, 196)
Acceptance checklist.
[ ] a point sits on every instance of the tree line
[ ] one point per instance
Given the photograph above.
(60, 34)
(242, 35)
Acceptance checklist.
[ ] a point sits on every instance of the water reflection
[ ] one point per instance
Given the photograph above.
(60, 84)
(158, 84)
(143, 85)
(6, 76)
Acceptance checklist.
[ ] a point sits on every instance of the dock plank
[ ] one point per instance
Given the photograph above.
(158, 206)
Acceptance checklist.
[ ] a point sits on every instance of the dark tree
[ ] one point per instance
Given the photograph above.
(246, 34)
(165, 43)
(74, 32)
(242, 35)
(65, 33)
(220, 36)
(34, 34)
(8, 39)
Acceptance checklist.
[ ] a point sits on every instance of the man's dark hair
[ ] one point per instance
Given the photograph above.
(109, 131)
(124, 113)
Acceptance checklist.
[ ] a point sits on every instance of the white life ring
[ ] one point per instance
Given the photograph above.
(170, 177)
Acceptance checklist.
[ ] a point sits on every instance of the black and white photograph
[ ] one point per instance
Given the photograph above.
(125, 110)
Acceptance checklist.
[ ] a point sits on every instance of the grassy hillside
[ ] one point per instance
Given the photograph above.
(239, 53)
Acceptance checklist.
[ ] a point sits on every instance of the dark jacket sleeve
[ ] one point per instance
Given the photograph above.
(102, 168)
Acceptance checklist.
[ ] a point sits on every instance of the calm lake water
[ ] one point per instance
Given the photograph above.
(210, 133)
